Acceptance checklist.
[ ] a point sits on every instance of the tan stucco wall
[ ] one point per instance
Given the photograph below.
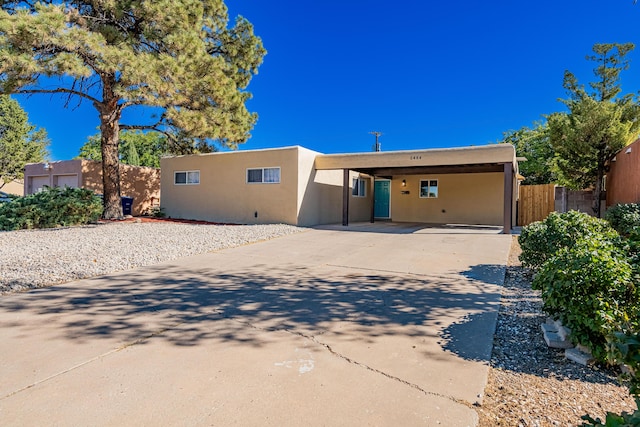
(320, 194)
(360, 207)
(223, 194)
(13, 187)
(140, 182)
(476, 198)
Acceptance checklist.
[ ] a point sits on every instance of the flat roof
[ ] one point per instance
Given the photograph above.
(493, 154)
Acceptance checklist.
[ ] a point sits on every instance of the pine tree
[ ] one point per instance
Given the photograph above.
(178, 56)
(20, 141)
(134, 159)
(598, 124)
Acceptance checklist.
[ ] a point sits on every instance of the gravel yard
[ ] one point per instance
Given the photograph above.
(40, 258)
(530, 384)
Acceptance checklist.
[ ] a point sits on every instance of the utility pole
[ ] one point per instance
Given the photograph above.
(376, 148)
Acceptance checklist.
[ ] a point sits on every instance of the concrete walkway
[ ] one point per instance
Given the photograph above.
(384, 324)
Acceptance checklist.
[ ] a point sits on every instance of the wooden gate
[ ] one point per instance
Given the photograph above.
(535, 202)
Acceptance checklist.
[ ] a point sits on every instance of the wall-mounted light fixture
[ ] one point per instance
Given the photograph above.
(404, 182)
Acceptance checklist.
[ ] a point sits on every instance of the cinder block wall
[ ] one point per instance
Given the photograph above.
(576, 200)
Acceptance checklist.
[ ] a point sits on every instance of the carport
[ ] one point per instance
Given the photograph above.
(488, 178)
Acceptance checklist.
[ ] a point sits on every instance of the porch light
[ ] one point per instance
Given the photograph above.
(404, 182)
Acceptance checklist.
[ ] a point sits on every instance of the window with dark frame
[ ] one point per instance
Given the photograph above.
(359, 187)
(428, 188)
(263, 176)
(186, 177)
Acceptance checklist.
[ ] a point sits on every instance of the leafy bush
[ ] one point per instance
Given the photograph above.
(541, 240)
(156, 212)
(626, 419)
(589, 287)
(624, 218)
(590, 279)
(53, 207)
(625, 349)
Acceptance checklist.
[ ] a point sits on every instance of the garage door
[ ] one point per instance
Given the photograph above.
(67, 181)
(37, 182)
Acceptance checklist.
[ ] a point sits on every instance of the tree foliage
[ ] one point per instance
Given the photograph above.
(598, 124)
(179, 57)
(138, 148)
(533, 143)
(20, 142)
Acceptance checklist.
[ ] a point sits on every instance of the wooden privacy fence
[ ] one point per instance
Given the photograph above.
(535, 202)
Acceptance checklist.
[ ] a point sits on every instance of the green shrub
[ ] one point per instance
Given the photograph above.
(626, 419)
(156, 212)
(625, 349)
(624, 218)
(541, 240)
(589, 286)
(53, 207)
(533, 243)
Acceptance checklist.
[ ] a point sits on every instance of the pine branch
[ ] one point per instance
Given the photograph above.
(59, 90)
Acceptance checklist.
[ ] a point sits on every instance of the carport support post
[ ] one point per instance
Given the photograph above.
(508, 197)
(345, 197)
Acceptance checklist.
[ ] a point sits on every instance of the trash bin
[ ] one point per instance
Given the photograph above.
(127, 202)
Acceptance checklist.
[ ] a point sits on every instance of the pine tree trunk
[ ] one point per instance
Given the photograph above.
(597, 192)
(110, 129)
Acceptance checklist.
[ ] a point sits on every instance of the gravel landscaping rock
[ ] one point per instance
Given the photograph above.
(530, 384)
(40, 258)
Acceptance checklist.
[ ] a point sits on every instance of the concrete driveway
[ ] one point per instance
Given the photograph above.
(384, 324)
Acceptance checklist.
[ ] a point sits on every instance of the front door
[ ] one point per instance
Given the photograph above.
(381, 203)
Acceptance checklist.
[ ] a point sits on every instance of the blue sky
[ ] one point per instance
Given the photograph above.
(426, 74)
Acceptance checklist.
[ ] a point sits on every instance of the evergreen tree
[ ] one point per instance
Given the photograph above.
(20, 142)
(134, 159)
(598, 124)
(180, 57)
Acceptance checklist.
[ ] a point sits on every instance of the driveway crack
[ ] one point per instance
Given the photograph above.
(378, 371)
(351, 361)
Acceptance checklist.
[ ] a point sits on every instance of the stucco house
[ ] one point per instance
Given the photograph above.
(139, 182)
(294, 185)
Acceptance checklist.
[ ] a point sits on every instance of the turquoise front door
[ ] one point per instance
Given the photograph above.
(381, 204)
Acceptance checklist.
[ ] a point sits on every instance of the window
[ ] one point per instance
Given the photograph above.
(263, 175)
(429, 188)
(186, 177)
(359, 187)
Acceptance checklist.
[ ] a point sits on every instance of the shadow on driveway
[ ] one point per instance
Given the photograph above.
(133, 305)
